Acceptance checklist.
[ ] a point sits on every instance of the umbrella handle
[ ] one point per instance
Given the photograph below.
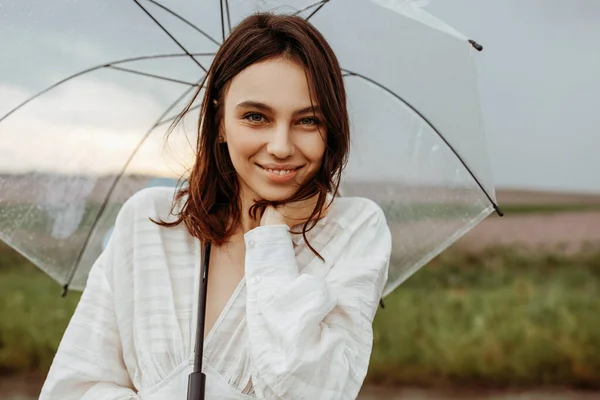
(196, 383)
(197, 380)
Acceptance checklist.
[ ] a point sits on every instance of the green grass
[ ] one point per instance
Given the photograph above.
(501, 318)
(34, 315)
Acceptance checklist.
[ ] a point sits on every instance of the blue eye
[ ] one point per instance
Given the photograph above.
(310, 121)
(254, 118)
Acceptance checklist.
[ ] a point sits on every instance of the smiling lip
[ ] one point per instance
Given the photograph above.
(276, 177)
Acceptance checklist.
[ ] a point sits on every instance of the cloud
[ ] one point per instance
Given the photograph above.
(88, 126)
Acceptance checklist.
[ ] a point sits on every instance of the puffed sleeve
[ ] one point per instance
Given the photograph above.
(311, 338)
(89, 363)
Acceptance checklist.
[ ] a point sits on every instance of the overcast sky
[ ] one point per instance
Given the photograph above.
(540, 79)
(539, 82)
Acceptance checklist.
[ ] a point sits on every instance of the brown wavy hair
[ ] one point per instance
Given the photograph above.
(211, 208)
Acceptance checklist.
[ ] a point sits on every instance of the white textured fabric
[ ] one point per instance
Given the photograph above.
(295, 328)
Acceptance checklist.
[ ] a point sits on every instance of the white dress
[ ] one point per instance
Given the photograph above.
(295, 327)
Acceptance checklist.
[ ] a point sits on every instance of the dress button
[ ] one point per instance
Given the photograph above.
(251, 244)
(256, 279)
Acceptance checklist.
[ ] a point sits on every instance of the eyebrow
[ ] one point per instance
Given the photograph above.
(266, 108)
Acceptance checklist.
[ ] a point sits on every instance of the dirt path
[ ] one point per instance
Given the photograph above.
(380, 393)
(27, 387)
(570, 230)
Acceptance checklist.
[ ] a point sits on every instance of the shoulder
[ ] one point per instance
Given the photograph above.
(136, 230)
(154, 203)
(356, 212)
(364, 224)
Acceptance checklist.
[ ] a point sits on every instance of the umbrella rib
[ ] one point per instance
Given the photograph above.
(48, 89)
(92, 69)
(496, 207)
(309, 7)
(170, 35)
(164, 78)
(318, 8)
(223, 18)
(228, 15)
(114, 185)
(187, 22)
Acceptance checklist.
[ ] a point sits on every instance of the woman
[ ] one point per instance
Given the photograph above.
(296, 273)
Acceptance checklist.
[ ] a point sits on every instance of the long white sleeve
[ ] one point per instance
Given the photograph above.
(311, 338)
(89, 363)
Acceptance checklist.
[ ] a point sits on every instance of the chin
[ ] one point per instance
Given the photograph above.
(274, 194)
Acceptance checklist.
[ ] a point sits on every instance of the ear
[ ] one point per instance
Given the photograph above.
(222, 137)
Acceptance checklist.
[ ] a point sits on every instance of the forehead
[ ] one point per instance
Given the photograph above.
(280, 83)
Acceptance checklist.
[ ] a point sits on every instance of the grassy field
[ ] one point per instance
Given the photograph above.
(500, 318)
(34, 315)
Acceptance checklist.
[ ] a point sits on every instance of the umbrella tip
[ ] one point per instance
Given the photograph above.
(476, 45)
(498, 210)
(65, 289)
(381, 303)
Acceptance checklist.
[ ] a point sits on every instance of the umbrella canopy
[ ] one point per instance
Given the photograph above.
(90, 88)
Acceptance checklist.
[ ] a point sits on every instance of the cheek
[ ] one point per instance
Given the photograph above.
(313, 148)
(242, 146)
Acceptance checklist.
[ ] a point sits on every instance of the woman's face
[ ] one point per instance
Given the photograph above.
(276, 140)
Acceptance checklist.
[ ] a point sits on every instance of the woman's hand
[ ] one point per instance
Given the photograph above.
(291, 214)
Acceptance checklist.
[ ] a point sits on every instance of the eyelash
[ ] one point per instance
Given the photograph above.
(248, 117)
(315, 121)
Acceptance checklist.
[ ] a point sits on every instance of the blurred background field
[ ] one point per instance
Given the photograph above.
(512, 305)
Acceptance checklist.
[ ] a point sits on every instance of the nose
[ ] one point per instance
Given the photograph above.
(280, 144)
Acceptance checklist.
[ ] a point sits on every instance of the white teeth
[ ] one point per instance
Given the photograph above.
(280, 171)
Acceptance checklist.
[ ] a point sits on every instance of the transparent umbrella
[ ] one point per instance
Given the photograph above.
(89, 89)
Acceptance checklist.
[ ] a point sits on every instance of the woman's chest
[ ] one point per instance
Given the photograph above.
(226, 271)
